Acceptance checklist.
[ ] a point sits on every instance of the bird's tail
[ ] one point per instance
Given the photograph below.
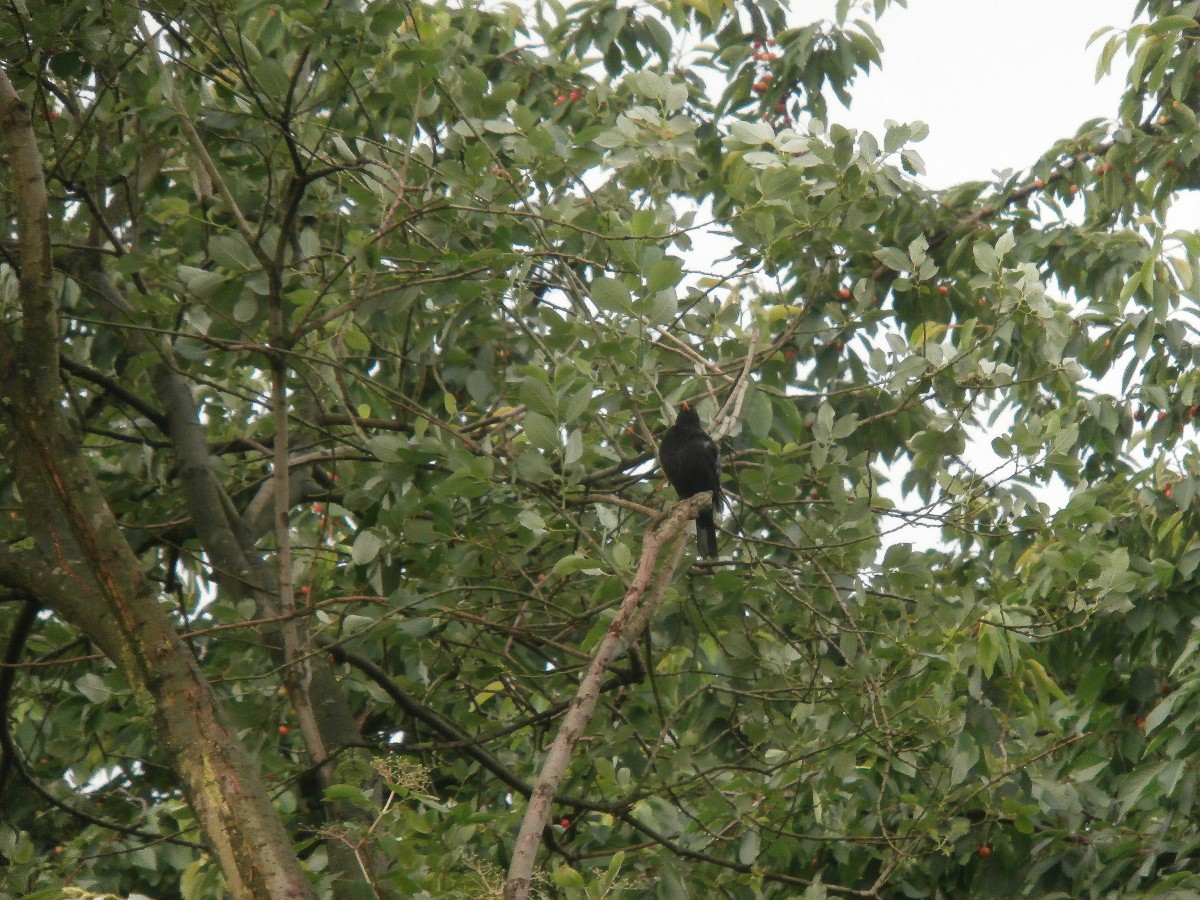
(706, 534)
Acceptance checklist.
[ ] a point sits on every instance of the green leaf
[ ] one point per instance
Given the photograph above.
(566, 877)
(246, 309)
(663, 274)
(757, 413)
(543, 433)
(366, 548)
(1160, 713)
(916, 250)
(232, 253)
(200, 283)
(93, 687)
(986, 257)
(501, 126)
(574, 448)
(988, 650)
(752, 133)
(569, 565)
(335, 792)
(1105, 60)
(1167, 24)
(893, 258)
(845, 426)
(611, 294)
(927, 332)
(748, 848)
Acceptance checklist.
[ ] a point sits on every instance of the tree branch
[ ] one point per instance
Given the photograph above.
(39, 316)
(644, 595)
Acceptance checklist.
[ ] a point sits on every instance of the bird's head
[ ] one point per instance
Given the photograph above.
(688, 414)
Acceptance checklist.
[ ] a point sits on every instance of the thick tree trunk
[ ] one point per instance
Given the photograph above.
(101, 589)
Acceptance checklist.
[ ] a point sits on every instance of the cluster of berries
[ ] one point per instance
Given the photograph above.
(765, 56)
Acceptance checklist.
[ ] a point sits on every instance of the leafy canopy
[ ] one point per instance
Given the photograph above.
(490, 250)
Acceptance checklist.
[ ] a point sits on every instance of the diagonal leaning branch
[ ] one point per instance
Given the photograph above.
(98, 584)
(662, 549)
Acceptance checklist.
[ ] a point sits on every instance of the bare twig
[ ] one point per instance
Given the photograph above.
(729, 414)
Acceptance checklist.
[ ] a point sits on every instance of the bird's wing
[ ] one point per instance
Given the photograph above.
(710, 448)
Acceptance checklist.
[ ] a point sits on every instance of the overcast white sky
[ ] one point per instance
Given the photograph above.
(997, 82)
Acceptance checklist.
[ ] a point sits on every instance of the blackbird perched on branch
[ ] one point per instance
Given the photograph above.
(689, 457)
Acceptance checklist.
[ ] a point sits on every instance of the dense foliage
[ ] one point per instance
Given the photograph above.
(459, 265)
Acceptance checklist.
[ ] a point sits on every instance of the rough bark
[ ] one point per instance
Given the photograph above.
(102, 590)
(230, 538)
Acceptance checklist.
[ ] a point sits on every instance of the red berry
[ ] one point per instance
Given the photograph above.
(1038, 183)
(844, 293)
(1162, 415)
(943, 290)
(1194, 411)
(561, 98)
(983, 851)
(564, 822)
(1073, 190)
(759, 86)
(283, 729)
(575, 95)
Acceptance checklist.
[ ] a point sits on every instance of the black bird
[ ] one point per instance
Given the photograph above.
(689, 457)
